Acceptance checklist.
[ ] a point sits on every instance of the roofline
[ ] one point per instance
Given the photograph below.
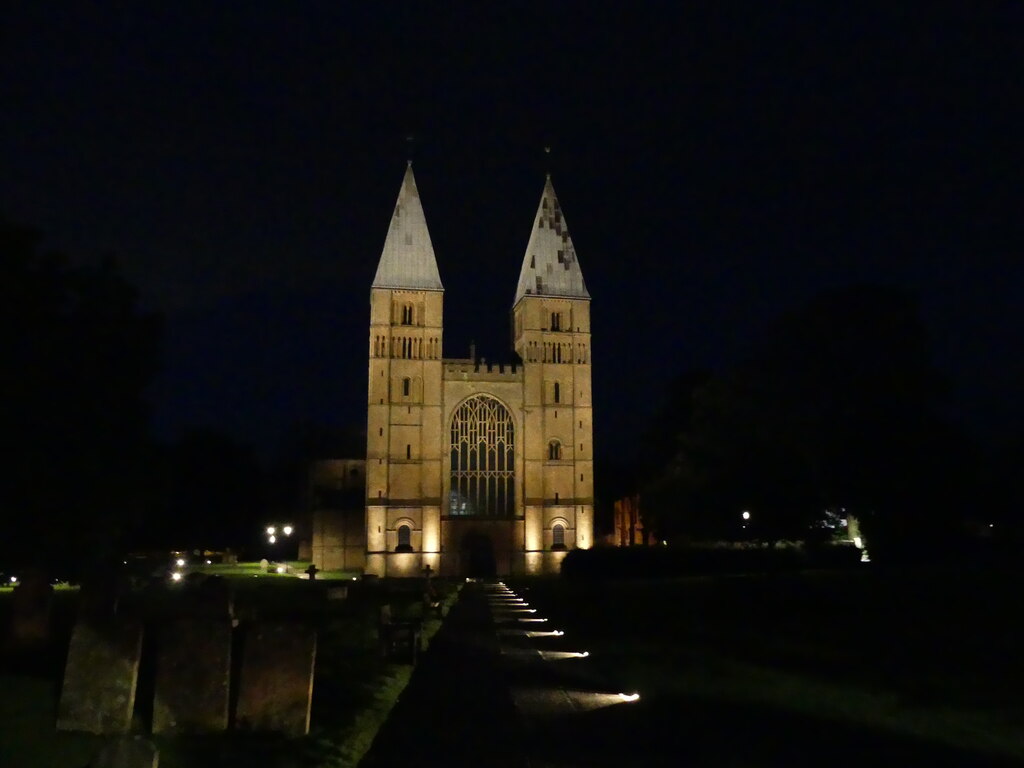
(406, 288)
(548, 296)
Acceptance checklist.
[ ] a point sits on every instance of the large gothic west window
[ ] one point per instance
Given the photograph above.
(482, 459)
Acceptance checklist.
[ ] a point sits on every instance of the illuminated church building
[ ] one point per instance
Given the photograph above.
(474, 468)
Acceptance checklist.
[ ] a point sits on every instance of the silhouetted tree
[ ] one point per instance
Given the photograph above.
(78, 355)
(838, 406)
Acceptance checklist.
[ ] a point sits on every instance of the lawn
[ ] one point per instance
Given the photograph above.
(353, 691)
(765, 670)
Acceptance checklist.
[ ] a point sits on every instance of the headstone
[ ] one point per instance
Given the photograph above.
(100, 677)
(276, 685)
(337, 593)
(135, 752)
(264, 565)
(192, 677)
(30, 610)
(213, 599)
(99, 596)
(312, 571)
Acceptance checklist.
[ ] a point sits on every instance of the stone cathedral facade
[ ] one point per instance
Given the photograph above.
(474, 468)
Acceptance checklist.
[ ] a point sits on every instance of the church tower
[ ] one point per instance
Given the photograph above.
(551, 334)
(403, 430)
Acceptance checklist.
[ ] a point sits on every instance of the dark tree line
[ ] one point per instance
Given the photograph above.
(838, 406)
(78, 355)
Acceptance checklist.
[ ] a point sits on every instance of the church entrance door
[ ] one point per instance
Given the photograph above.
(477, 556)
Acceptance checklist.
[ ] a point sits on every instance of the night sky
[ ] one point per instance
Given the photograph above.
(717, 164)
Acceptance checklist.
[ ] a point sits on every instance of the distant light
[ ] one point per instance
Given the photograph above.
(272, 539)
(14, 579)
(583, 654)
(354, 579)
(287, 530)
(629, 696)
(176, 576)
(271, 530)
(180, 562)
(281, 569)
(209, 562)
(991, 525)
(558, 633)
(746, 516)
(664, 543)
(858, 542)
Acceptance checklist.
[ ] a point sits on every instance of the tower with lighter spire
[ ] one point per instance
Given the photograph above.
(472, 468)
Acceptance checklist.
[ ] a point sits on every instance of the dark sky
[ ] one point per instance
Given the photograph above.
(717, 163)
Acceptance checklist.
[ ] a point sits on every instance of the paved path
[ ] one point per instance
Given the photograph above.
(457, 709)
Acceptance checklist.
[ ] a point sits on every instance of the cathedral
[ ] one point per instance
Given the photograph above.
(477, 469)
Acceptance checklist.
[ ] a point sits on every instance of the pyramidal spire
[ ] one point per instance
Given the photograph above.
(407, 260)
(550, 266)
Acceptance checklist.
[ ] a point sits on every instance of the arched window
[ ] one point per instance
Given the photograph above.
(558, 536)
(482, 459)
(407, 314)
(404, 539)
(554, 450)
(556, 321)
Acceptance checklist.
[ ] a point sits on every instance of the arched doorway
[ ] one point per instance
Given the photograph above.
(477, 556)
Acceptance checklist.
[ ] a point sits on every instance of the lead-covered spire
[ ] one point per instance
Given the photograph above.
(407, 260)
(550, 266)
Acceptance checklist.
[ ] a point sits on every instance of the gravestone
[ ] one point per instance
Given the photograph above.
(337, 593)
(192, 676)
(30, 610)
(133, 752)
(276, 683)
(100, 677)
(264, 565)
(212, 599)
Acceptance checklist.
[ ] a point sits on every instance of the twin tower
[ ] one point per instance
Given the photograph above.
(478, 469)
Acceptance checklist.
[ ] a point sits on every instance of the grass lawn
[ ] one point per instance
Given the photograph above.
(761, 670)
(353, 691)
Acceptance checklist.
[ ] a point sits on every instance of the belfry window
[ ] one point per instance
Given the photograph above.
(558, 536)
(407, 314)
(404, 539)
(556, 321)
(482, 459)
(554, 450)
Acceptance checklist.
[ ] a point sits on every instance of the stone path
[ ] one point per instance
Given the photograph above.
(457, 709)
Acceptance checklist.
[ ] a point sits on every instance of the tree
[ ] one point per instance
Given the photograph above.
(838, 406)
(79, 355)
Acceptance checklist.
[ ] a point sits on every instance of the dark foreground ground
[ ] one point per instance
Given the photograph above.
(843, 669)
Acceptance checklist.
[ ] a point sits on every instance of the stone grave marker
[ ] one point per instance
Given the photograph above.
(30, 610)
(264, 565)
(100, 677)
(133, 752)
(192, 676)
(276, 682)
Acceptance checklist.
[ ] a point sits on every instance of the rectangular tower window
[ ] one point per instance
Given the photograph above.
(408, 451)
(558, 393)
(380, 433)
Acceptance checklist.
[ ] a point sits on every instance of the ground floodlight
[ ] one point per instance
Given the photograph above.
(287, 530)
(272, 539)
(281, 569)
(176, 576)
(629, 696)
(180, 562)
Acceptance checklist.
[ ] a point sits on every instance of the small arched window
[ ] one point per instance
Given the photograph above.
(407, 314)
(558, 536)
(554, 450)
(556, 321)
(404, 539)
